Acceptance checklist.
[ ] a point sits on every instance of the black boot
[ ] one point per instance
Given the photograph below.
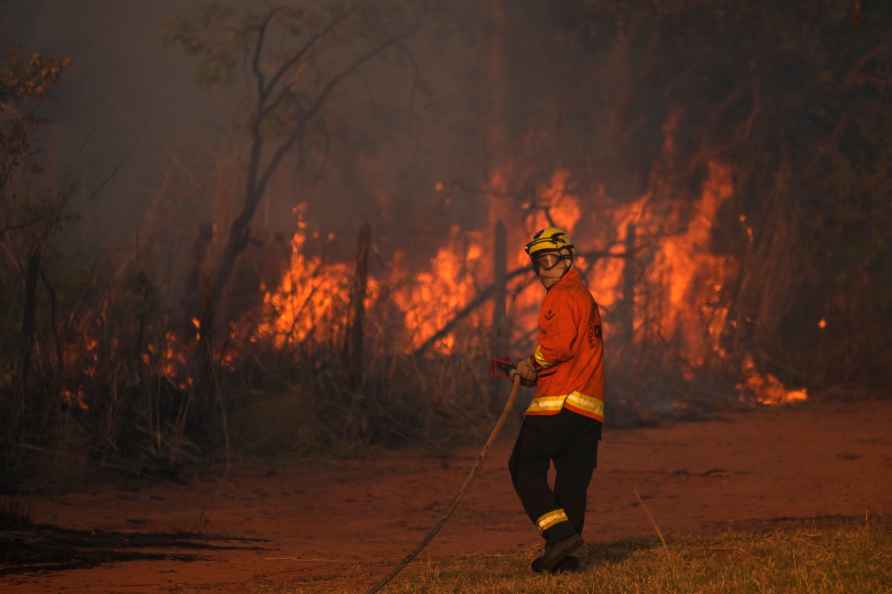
(556, 552)
(569, 564)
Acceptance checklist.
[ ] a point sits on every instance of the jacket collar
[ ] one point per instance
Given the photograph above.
(572, 277)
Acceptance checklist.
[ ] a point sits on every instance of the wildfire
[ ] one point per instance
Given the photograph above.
(684, 282)
(562, 206)
(606, 276)
(75, 398)
(695, 276)
(309, 297)
(685, 279)
(170, 359)
(432, 299)
(682, 300)
(766, 388)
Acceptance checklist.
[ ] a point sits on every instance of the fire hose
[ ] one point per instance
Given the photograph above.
(435, 529)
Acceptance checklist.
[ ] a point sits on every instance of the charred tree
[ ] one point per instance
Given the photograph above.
(499, 338)
(353, 345)
(285, 107)
(629, 271)
(29, 314)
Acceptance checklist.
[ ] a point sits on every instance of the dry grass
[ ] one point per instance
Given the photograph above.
(805, 559)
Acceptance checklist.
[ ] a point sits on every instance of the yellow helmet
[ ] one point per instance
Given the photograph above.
(548, 239)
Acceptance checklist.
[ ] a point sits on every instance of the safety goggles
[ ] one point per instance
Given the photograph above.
(547, 260)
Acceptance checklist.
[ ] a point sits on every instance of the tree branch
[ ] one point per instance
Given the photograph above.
(298, 56)
(317, 104)
(258, 51)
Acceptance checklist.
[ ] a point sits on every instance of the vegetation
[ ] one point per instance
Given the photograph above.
(127, 362)
(795, 96)
(796, 560)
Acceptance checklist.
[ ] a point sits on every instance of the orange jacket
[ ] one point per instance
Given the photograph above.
(569, 355)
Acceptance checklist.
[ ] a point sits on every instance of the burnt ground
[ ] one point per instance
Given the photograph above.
(43, 548)
(323, 525)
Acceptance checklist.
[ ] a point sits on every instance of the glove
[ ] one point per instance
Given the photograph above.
(526, 371)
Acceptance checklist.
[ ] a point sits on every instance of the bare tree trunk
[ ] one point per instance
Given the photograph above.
(769, 272)
(499, 339)
(265, 157)
(629, 271)
(29, 313)
(355, 332)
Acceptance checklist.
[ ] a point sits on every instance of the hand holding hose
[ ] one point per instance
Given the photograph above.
(526, 372)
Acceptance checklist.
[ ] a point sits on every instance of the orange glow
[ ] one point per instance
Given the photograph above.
(436, 294)
(685, 282)
(766, 388)
(75, 398)
(606, 277)
(694, 276)
(170, 360)
(822, 324)
(684, 279)
(562, 206)
(310, 296)
(682, 297)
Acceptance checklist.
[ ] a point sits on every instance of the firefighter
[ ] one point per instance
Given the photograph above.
(562, 425)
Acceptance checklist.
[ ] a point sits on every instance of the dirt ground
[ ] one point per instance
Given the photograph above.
(341, 524)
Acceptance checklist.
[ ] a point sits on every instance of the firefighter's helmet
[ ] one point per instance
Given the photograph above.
(548, 247)
(548, 239)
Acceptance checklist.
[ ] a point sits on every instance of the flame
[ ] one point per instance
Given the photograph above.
(434, 297)
(75, 398)
(562, 206)
(170, 360)
(685, 284)
(695, 277)
(683, 301)
(766, 388)
(310, 295)
(606, 277)
(684, 278)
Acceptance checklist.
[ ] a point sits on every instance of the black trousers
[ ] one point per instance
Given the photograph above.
(570, 441)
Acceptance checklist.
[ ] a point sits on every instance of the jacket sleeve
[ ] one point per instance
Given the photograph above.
(558, 324)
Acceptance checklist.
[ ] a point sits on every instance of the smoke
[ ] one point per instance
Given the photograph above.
(132, 100)
(128, 103)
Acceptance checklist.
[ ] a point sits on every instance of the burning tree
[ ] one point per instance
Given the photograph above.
(297, 57)
(729, 201)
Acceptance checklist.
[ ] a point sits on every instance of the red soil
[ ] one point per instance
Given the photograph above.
(342, 524)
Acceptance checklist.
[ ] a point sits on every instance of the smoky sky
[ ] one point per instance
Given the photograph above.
(131, 102)
(127, 102)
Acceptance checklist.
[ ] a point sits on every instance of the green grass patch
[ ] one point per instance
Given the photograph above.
(804, 559)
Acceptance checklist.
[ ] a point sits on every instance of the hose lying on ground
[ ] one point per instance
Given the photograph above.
(458, 496)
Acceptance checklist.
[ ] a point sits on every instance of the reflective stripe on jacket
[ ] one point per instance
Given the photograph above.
(569, 354)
